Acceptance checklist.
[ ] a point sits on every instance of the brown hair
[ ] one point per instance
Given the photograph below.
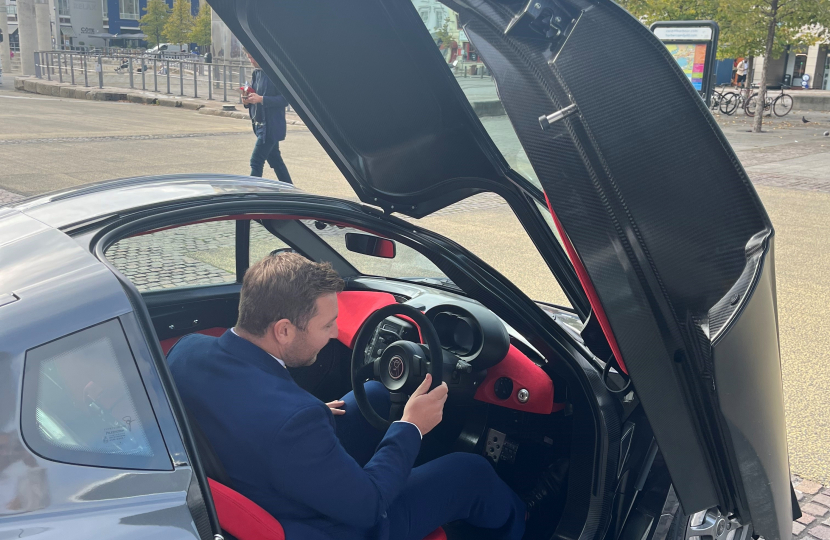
(284, 286)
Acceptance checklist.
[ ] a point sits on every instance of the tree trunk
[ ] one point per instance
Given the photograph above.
(762, 87)
(750, 75)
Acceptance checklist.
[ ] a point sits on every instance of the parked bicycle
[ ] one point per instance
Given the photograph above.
(781, 105)
(732, 101)
(717, 99)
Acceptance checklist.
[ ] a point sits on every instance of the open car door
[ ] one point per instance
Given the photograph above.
(671, 243)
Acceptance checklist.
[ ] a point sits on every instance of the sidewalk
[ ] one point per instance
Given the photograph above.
(214, 107)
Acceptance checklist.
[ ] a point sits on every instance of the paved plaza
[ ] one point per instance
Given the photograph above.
(49, 143)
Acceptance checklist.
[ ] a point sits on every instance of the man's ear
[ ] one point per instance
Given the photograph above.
(283, 331)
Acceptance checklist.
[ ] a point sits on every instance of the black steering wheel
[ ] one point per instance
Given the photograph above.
(402, 366)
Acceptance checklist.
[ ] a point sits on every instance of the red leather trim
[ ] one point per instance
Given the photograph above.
(167, 344)
(437, 534)
(242, 517)
(590, 292)
(353, 308)
(525, 374)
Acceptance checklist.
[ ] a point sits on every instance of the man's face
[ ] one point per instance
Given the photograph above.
(303, 348)
(251, 58)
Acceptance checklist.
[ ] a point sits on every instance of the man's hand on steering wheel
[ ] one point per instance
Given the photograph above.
(425, 408)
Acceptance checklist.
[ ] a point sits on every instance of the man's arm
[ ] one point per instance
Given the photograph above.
(309, 463)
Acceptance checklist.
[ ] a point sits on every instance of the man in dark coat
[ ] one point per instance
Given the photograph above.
(321, 468)
(267, 108)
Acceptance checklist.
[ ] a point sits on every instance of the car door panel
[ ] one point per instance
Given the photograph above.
(673, 238)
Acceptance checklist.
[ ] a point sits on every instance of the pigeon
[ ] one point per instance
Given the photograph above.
(827, 133)
(805, 120)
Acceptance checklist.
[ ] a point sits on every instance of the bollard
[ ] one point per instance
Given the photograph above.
(100, 69)
(168, 75)
(210, 82)
(195, 82)
(60, 69)
(86, 77)
(225, 81)
(155, 75)
(181, 78)
(72, 67)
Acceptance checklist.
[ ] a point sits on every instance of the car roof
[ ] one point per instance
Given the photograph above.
(93, 201)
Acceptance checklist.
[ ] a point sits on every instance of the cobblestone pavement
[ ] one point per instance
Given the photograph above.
(814, 500)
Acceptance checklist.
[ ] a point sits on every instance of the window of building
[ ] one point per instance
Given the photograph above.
(129, 9)
(84, 403)
(424, 14)
(63, 7)
(105, 8)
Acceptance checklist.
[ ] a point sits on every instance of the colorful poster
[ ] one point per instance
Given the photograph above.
(691, 57)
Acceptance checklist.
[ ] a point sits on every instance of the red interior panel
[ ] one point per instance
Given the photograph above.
(354, 307)
(524, 374)
(590, 292)
(242, 517)
(167, 344)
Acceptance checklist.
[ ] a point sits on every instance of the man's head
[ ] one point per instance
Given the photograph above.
(251, 58)
(288, 307)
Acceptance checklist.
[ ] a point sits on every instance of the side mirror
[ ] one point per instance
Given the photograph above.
(373, 246)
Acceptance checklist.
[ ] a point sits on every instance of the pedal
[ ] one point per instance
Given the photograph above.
(494, 445)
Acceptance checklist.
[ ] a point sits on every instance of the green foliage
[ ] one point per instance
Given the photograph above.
(443, 34)
(201, 27)
(153, 21)
(180, 23)
(743, 24)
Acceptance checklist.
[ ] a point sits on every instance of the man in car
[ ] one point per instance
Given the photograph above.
(324, 476)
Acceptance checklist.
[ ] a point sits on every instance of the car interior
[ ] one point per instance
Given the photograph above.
(502, 404)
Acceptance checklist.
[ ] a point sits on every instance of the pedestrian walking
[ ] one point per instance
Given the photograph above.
(267, 109)
(742, 66)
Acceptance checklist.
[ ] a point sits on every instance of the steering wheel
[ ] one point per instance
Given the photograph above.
(402, 366)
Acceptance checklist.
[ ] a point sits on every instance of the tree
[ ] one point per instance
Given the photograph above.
(180, 23)
(201, 27)
(765, 27)
(749, 28)
(153, 21)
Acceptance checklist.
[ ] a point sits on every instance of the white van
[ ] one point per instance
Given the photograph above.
(168, 48)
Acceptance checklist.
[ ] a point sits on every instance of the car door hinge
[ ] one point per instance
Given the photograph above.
(543, 18)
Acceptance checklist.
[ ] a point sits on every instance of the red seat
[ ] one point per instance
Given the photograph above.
(245, 520)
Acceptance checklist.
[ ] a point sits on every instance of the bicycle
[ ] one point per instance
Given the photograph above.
(732, 101)
(717, 100)
(780, 106)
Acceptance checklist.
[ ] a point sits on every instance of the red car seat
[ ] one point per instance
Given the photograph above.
(242, 518)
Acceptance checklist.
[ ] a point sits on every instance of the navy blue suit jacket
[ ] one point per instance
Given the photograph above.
(273, 103)
(279, 446)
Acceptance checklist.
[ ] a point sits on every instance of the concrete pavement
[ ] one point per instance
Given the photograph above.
(50, 143)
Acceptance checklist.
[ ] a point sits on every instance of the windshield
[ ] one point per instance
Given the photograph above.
(407, 264)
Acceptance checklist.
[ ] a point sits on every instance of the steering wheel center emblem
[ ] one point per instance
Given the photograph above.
(396, 367)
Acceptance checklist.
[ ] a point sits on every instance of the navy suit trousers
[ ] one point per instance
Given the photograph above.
(457, 486)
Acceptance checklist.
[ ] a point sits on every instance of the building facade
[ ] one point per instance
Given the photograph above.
(82, 20)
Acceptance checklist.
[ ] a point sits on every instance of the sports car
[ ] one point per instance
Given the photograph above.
(650, 407)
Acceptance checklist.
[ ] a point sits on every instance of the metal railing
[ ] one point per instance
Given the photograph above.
(178, 75)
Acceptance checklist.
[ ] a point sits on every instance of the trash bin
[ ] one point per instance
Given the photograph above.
(473, 69)
(788, 79)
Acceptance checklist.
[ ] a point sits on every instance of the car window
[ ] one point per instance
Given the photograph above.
(84, 403)
(189, 256)
(468, 68)
(407, 262)
(487, 226)
(263, 243)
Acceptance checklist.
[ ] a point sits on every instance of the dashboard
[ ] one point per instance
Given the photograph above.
(482, 360)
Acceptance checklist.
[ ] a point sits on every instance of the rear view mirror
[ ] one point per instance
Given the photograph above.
(370, 245)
